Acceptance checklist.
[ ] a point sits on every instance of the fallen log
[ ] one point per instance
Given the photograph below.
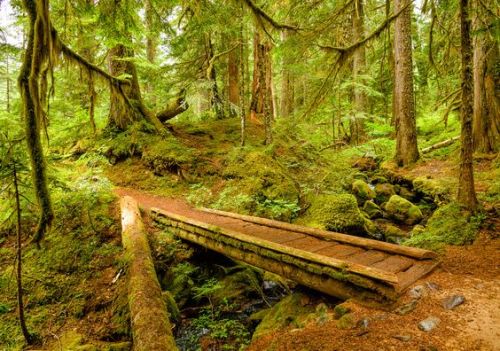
(174, 108)
(151, 329)
(440, 145)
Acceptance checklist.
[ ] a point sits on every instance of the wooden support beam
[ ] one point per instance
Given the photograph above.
(331, 236)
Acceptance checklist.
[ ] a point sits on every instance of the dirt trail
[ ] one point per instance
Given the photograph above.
(472, 271)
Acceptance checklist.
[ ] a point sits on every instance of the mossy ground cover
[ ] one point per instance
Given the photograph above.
(67, 282)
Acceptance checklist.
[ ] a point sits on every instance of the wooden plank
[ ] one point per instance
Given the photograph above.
(279, 237)
(368, 258)
(394, 264)
(340, 251)
(309, 256)
(308, 243)
(332, 236)
(415, 272)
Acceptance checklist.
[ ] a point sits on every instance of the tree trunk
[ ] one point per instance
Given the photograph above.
(211, 75)
(150, 40)
(121, 113)
(20, 303)
(466, 192)
(7, 73)
(262, 105)
(406, 131)
(29, 85)
(243, 59)
(233, 71)
(486, 120)
(287, 91)
(359, 64)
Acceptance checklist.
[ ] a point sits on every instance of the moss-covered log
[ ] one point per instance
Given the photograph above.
(151, 329)
(175, 107)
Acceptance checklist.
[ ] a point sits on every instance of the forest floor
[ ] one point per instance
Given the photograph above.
(471, 271)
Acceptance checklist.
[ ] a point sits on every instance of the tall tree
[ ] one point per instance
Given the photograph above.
(287, 88)
(486, 120)
(358, 68)
(404, 100)
(262, 93)
(466, 191)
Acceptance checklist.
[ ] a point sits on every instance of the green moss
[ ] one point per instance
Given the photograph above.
(432, 188)
(258, 184)
(372, 209)
(362, 191)
(289, 311)
(337, 213)
(172, 307)
(384, 192)
(340, 310)
(403, 210)
(166, 155)
(449, 224)
(346, 322)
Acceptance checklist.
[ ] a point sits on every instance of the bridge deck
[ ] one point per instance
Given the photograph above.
(337, 264)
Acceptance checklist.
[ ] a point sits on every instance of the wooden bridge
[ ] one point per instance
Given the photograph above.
(340, 265)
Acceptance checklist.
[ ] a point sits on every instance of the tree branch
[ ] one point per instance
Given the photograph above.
(260, 13)
(348, 50)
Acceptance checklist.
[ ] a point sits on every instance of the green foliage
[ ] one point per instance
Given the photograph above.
(229, 334)
(449, 225)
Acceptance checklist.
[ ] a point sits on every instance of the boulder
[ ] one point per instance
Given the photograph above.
(384, 191)
(403, 210)
(392, 233)
(362, 191)
(365, 164)
(372, 209)
(338, 213)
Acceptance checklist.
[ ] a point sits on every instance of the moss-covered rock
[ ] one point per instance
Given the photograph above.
(432, 188)
(337, 213)
(362, 191)
(450, 224)
(372, 209)
(384, 191)
(403, 210)
(291, 311)
(379, 180)
(341, 310)
(392, 233)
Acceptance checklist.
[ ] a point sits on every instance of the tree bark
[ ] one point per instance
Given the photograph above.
(466, 192)
(211, 76)
(406, 131)
(287, 90)
(486, 119)
(20, 303)
(35, 57)
(233, 71)
(359, 63)
(262, 105)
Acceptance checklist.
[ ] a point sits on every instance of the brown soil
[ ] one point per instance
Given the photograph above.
(472, 271)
